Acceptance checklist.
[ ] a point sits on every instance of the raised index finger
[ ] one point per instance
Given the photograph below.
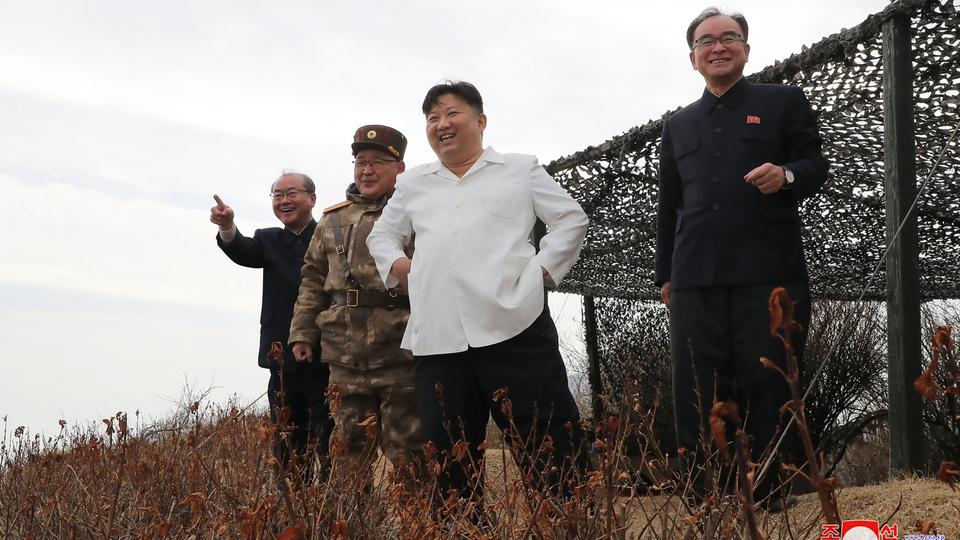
(220, 205)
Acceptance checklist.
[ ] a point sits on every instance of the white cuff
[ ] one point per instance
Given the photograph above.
(227, 236)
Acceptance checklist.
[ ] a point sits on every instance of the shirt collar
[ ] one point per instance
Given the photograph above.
(731, 98)
(307, 227)
(489, 155)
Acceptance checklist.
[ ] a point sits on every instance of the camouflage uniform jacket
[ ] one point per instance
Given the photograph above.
(354, 337)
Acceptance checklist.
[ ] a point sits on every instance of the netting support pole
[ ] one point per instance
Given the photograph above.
(903, 276)
(593, 354)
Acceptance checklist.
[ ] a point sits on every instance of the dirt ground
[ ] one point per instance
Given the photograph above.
(922, 499)
(915, 505)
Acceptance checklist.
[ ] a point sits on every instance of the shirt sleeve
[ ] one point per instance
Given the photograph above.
(566, 224)
(228, 235)
(390, 233)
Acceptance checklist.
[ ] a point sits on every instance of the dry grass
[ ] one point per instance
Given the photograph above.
(925, 502)
(206, 472)
(212, 477)
(923, 499)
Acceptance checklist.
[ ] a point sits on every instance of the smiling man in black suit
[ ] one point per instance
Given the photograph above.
(296, 391)
(734, 167)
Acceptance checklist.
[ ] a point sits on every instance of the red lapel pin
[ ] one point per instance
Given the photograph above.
(753, 119)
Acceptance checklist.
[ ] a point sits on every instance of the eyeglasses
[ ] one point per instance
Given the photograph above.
(290, 193)
(728, 38)
(375, 163)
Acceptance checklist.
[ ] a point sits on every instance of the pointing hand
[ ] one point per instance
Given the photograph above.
(221, 215)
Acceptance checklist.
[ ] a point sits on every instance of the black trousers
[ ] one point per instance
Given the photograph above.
(299, 409)
(717, 336)
(530, 367)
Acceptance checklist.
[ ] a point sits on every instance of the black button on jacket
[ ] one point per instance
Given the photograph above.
(713, 227)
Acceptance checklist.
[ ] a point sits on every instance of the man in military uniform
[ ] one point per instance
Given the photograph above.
(295, 391)
(360, 322)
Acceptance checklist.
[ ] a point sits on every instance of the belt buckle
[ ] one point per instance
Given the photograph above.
(353, 298)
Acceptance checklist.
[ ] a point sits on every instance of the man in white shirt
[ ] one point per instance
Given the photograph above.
(478, 321)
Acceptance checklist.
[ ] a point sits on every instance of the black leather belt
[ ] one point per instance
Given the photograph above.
(358, 298)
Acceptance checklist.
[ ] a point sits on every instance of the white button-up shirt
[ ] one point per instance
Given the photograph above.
(475, 279)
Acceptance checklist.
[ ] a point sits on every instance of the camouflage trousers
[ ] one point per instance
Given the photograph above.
(375, 408)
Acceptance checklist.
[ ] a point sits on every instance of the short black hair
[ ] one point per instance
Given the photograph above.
(714, 12)
(461, 89)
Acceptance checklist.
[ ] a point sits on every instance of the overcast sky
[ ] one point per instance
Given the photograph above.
(119, 120)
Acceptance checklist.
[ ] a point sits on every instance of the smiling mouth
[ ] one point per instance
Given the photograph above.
(719, 61)
(286, 209)
(446, 137)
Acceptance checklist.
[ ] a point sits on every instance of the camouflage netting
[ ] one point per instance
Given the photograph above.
(845, 231)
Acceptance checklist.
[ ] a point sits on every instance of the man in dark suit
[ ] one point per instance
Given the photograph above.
(734, 167)
(298, 406)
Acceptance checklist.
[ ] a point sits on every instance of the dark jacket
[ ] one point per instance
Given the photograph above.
(713, 227)
(280, 253)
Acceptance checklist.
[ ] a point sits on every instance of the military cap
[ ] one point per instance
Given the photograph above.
(379, 137)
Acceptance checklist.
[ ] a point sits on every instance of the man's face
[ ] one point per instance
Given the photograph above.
(378, 174)
(455, 130)
(720, 64)
(294, 206)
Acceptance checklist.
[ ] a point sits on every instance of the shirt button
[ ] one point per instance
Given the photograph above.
(715, 179)
(717, 154)
(717, 130)
(716, 206)
(720, 106)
